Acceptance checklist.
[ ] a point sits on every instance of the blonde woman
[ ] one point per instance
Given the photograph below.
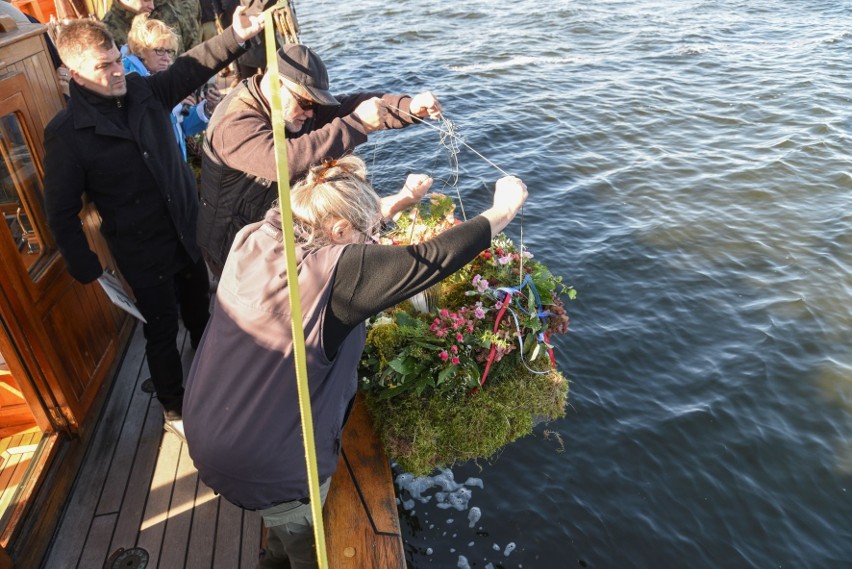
(241, 408)
(151, 48)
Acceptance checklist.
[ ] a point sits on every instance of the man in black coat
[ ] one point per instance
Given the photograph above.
(115, 144)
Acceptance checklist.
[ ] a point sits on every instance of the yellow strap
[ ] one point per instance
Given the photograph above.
(278, 133)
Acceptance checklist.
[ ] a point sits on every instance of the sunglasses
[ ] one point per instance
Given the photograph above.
(304, 104)
(163, 51)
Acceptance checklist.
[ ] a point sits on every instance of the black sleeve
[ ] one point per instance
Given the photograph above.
(371, 278)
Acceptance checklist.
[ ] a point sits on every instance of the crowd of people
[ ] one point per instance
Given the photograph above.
(133, 83)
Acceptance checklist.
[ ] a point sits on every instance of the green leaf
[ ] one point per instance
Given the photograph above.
(403, 365)
(446, 372)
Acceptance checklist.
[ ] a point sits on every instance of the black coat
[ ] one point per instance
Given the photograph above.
(137, 178)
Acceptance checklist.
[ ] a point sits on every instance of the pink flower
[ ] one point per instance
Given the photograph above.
(479, 283)
(444, 355)
(455, 349)
(459, 338)
(505, 259)
(445, 313)
(478, 312)
(455, 360)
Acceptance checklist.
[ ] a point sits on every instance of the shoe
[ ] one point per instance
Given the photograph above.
(174, 425)
(176, 428)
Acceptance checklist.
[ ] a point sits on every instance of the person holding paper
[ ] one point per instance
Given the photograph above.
(115, 144)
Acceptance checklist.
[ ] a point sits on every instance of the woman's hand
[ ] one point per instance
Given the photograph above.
(416, 186)
(509, 196)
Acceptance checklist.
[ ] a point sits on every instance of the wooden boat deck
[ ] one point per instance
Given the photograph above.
(137, 488)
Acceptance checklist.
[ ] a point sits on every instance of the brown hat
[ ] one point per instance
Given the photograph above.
(297, 63)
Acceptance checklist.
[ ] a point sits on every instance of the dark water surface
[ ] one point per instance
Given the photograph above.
(689, 173)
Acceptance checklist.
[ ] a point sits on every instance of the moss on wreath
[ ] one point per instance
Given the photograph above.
(424, 433)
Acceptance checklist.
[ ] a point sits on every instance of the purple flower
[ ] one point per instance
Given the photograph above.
(479, 283)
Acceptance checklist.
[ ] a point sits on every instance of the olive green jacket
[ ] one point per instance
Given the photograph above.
(184, 16)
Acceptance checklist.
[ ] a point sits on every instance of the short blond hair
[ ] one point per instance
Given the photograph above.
(147, 33)
(337, 189)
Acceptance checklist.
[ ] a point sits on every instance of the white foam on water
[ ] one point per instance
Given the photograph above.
(447, 494)
(473, 516)
(525, 60)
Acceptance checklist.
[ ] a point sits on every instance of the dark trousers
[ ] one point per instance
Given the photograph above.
(190, 289)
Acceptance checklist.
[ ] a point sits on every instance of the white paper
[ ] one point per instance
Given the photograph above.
(115, 292)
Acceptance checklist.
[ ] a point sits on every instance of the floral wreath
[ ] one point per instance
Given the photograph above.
(491, 320)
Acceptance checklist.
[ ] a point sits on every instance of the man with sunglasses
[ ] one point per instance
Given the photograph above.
(238, 175)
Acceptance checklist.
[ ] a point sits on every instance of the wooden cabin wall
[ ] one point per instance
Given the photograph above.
(41, 10)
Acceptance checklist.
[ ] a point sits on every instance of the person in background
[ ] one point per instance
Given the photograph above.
(114, 142)
(238, 175)
(151, 47)
(241, 410)
(119, 17)
(216, 15)
(181, 15)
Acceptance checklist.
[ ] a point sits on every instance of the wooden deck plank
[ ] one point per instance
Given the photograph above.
(180, 517)
(159, 499)
(226, 553)
(252, 528)
(202, 536)
(361, 523)
(367, 459)
(130, 517)
(71, 535)
(123, 460)
(96, 549)
(10, 489)
(163, 508)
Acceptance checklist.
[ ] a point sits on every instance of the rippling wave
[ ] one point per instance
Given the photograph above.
(689, 173)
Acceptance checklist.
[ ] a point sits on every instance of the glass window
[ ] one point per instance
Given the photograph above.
(19, 185)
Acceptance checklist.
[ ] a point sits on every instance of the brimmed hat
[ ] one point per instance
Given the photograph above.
(297, 63)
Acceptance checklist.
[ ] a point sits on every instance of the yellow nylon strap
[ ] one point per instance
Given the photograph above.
(278, 133)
